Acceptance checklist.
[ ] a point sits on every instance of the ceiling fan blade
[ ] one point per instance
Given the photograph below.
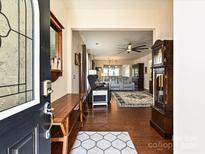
(137, 51)
(135, 48)
(141, 48)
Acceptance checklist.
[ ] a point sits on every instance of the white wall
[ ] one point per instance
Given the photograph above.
(158, 18)
(77, 43)
(60, 86)
(189, 77)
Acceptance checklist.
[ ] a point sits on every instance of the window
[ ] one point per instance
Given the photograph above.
(111, 70)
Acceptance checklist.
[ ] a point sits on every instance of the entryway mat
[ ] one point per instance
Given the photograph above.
(103, 142)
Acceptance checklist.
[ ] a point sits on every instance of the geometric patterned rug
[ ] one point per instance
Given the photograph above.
(133, 98)
(103, 142)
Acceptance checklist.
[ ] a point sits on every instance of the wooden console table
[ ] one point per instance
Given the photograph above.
(67, 112)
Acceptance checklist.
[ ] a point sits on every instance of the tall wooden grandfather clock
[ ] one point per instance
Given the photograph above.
(162, 110)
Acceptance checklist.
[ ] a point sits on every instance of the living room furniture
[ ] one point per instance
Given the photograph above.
(99, 97)
(138, 75)
(68, 116)
(115, 86)
(162, 111)
(128, 86)
(122, 86)
(97, 87)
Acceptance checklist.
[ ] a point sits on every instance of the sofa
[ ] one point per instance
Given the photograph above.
(122, 86)
(120, 83)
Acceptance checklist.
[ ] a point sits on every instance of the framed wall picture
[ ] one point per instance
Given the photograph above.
(76, 59)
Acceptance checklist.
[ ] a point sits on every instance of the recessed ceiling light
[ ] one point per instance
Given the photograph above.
(97, 43)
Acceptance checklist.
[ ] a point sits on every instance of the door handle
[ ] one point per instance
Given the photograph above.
(48, 133)
(48, 111)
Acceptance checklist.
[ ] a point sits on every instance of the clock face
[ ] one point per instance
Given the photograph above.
(158, 57)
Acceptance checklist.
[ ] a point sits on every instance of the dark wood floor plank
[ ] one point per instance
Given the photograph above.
(133, 120)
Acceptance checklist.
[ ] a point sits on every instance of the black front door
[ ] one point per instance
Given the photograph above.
(24, 65)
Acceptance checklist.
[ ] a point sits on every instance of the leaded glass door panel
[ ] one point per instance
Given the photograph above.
(19, 82)
(24, 64)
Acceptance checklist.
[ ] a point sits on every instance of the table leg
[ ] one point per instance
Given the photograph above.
(65, 145)
(81, 113)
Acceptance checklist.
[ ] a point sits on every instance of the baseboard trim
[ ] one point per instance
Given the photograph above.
(163, 133)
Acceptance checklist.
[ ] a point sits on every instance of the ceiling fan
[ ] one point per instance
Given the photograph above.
(130, 48)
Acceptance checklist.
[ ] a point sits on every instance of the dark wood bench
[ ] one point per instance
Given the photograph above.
(68, 110)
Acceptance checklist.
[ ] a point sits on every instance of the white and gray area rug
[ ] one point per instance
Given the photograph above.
(133, 98)
(89, 142)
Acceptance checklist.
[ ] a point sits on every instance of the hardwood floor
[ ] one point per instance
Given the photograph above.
(133, 120)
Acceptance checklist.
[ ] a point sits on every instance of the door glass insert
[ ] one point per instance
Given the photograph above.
(16, 53)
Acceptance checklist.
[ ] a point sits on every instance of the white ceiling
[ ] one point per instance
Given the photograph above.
(109, 43)
(114, 4)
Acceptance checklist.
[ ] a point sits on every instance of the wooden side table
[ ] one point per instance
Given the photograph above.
(100, 97)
